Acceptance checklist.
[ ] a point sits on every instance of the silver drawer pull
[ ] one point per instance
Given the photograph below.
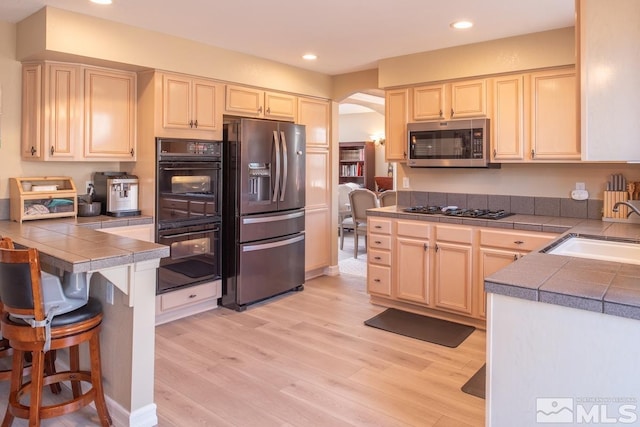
(193, 296)
(518, 242)
(378, 242)
(378, 226)
(377, 258)
(376, 280)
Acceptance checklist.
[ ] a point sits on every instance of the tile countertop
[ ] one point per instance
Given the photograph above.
(601, 286)
(73, 244)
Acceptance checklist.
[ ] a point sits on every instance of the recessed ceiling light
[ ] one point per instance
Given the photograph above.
(309, 56)
(461, 25)
(101, 1)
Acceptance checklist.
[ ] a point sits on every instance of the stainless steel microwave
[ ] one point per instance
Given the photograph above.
(460, 143)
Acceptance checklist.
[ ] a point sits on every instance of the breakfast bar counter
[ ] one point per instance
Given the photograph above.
(122, 275)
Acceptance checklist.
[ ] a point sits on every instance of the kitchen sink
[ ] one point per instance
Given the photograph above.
(597, 248)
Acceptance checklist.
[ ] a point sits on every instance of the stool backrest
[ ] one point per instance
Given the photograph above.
(20, 288)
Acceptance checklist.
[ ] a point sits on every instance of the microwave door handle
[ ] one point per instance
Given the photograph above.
(276, 187)
(285, 170)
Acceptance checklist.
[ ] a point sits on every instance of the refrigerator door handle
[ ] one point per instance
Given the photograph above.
(284, 167)
(264, 219)
(263, 246)
(276, 187)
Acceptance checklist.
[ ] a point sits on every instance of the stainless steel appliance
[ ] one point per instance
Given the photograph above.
(263, 215)
(118, 193)
(454, 143)
(188, 207)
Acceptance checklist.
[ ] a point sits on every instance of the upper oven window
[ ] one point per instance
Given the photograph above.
(190, 184)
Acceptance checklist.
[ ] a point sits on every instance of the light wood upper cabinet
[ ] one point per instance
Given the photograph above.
(109, 114)
(507, 121)
(429, 102)
(468, 99)
(249, 102)
(315, 114)
(396, 117)
(51, 111)
(191, 107)
(73, 112)
(535, 117)
(453, 100)
(554, 115)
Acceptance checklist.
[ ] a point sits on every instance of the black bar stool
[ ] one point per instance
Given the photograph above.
(32, 328)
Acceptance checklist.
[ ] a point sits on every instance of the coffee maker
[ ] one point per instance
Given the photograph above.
(118, 193)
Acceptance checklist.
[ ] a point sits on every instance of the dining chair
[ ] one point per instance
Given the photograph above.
(344, 211)
(34, 327)
(387, 198)
(361, 199)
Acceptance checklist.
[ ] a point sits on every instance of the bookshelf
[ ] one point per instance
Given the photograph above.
(357, 164)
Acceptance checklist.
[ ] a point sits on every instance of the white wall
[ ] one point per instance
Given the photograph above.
(360, 127)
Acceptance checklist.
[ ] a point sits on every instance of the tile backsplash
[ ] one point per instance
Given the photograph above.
(525, 205)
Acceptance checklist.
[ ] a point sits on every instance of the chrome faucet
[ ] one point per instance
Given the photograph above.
(629, 205)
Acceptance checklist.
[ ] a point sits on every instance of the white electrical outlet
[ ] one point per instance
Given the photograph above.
(405, 182)
(580, 186)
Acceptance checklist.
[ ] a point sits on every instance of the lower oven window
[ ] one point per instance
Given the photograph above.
(194, 256)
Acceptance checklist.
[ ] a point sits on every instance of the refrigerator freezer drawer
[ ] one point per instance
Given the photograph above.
(267, 226)
(268, 268)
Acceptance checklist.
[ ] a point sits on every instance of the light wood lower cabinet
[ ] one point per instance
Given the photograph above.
(440, 268)
(379, 280)
(499, 248)
(453, 268)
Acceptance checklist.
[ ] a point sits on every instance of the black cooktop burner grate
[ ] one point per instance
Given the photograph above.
(459, 212)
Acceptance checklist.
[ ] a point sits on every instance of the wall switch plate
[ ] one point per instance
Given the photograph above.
(405, 182)
(580, 186)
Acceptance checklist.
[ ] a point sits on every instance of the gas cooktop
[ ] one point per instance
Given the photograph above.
(460, 212)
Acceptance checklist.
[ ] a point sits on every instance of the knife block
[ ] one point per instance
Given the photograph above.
(610, 199)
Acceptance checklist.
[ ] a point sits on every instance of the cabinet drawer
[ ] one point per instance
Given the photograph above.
(379, 279)
(514, 241)
(376, 241)
(413, 229)
(190, 295)
(379, 226)
(454, 234)
(379, 257)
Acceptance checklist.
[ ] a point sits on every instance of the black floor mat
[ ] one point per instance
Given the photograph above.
(424, 328)
(477, 383)
(192, 268)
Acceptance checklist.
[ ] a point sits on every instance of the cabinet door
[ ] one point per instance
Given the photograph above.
(396, 115)
(206, 109)
(413, 270)
(62, 116)
(31, 111)
(315, 115)
(428, 102)
(453, 277)
(468, 99)
(110, 114)
(176, 102)
(491, 260)
(554, 122)
(508, 136)
(244, 101)
(280, 106)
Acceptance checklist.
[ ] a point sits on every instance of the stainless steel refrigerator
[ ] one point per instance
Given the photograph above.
(263, 210)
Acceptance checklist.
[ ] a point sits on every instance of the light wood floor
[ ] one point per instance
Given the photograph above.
(305, 359)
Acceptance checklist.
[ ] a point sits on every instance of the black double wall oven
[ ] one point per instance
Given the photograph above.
(188, 207)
